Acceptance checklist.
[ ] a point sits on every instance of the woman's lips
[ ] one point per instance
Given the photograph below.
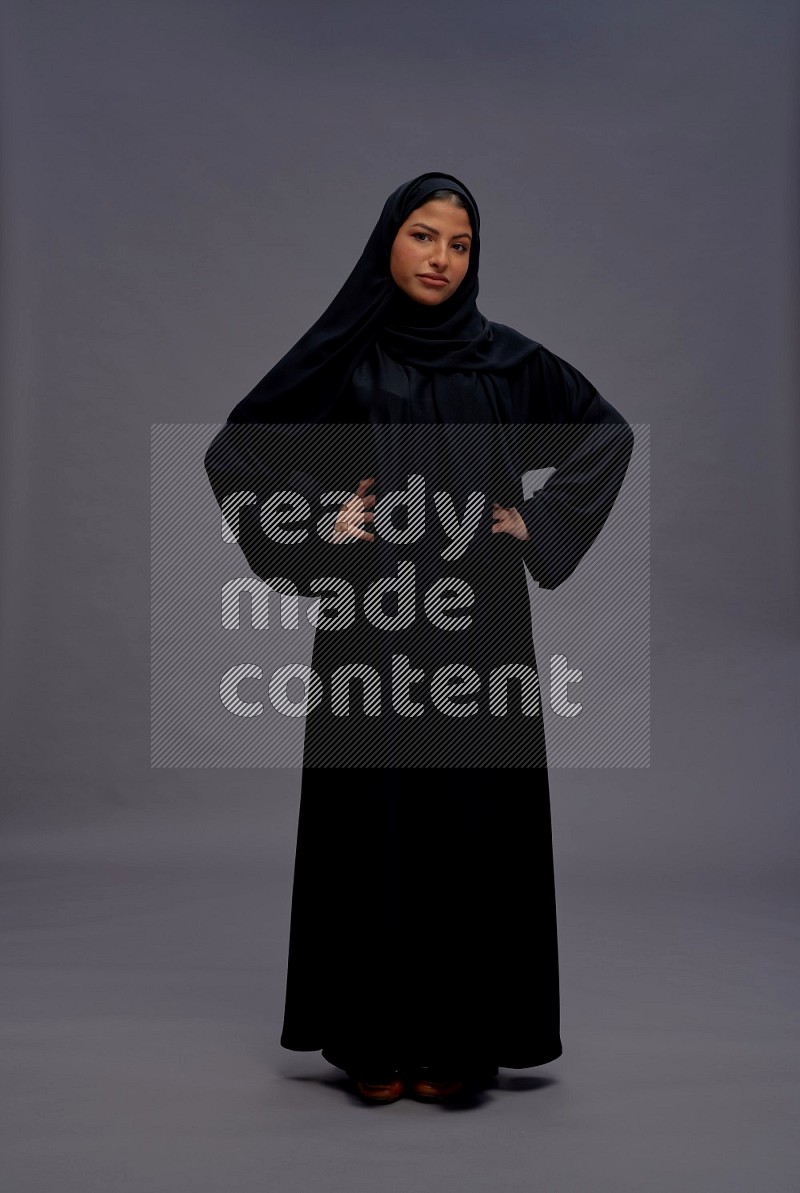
(432, 281)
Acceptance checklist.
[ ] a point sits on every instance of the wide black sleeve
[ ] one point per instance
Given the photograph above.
(568, 426)
(291, 468)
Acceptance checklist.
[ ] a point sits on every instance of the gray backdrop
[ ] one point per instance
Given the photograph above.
(184, 188)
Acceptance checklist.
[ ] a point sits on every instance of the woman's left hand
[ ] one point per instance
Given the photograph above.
(508, 521)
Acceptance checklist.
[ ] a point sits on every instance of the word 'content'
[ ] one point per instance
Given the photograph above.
(452, 689)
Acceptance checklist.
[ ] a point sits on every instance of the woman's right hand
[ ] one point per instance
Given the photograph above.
(354, 512)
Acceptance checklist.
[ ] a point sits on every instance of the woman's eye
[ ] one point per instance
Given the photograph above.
(425, 236)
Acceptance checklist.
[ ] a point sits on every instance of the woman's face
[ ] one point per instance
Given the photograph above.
(430, 254)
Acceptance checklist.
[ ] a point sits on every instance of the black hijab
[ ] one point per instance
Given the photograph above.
(473, 363)
(453, 336)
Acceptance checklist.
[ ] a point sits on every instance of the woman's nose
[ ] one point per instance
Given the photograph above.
(438, 256)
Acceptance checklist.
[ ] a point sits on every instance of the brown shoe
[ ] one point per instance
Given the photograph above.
(431, 1090)
(381, 1091)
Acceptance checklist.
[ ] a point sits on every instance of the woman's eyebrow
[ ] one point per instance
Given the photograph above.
(458, 235)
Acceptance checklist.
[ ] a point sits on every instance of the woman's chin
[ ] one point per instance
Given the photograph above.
(426, 297)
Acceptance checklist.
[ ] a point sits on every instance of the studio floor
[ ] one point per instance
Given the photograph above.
(143, 978)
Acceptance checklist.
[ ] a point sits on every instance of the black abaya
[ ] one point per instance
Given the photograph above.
(423, 924)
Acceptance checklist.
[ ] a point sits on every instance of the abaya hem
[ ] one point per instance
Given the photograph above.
(469, 1066)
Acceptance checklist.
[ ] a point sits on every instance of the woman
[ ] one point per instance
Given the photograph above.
(423, 949)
